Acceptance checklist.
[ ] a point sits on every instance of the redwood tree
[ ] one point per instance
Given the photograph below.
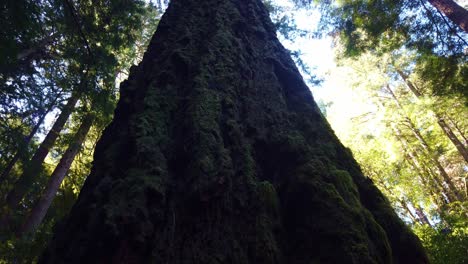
(453, 11)
(218, 154)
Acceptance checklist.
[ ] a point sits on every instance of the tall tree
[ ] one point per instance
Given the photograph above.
(40, 208)
(453, 11)
(440, 119)
(6, 171)
(218, 154)
(424, 145)
(23, 184)
(396, 137)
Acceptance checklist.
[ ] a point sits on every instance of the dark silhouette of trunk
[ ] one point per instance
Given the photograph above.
(6, 172)
(24, 183)
(430, 152)
(457, 14)
(440, 119)
(218, 154)
(40, 208)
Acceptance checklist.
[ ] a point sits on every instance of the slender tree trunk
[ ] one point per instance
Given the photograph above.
(24, 183)
(426, 147)
(449, 133)
(408, 212)
(49, 141)
(26, 142)
(436, 162)
(218, 154)
(453, 11)
(408, 83)
(403, 204)
(413, 159)
(421, 215)
(41, 207)
(440, 120)
(460, 131)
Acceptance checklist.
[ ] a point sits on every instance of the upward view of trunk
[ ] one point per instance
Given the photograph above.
(40, 208)
(23, 184)
(453, 11)
(218, 154)
(440, 120)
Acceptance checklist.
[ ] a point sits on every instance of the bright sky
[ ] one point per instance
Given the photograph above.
(318, 54)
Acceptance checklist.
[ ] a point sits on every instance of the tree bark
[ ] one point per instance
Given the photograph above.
(40, 208)
(218, 154)
(23, 184)
(457, 14)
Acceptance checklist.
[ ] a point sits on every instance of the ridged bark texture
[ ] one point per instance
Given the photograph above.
(218, 154)
(453, 11)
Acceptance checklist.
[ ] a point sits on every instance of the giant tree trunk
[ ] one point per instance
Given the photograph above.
(23, 184)
(453, 11)
(218, 154)
(40, 208)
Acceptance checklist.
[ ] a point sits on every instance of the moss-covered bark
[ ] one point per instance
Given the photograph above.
(218, 154)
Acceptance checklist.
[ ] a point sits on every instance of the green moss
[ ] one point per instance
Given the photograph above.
(267, 220)
(268, 198)
(344, 184)
(324, 209)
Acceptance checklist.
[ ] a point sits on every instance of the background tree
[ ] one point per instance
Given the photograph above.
(398, 140)
(66, 56)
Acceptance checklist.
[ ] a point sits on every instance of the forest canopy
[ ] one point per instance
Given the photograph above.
(400, 104)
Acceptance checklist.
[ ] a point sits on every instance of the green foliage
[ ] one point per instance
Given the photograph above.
(447, 241)
(444, 75)
(387, 26)
(402, 147)
(51, 49)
